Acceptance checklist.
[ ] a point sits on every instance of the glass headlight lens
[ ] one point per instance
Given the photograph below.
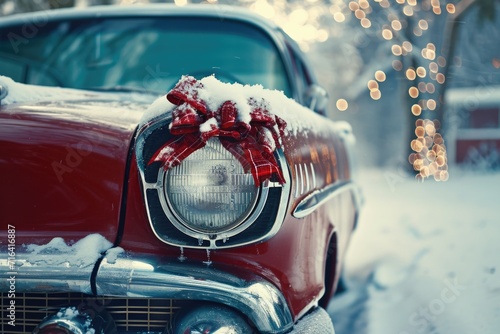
(209, 192)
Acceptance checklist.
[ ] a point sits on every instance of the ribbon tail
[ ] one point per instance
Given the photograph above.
(261, 165)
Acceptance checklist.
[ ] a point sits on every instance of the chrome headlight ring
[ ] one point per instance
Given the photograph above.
(210, 199)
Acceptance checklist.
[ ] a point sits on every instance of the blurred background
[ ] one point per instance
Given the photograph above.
(419, 81)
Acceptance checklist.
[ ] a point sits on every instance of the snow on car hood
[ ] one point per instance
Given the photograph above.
(18, 92)
(82, 253)
(25, 93)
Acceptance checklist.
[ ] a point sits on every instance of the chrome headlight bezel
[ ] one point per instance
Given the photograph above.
(262, 223)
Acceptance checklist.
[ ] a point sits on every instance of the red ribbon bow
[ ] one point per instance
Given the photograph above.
(193, 123)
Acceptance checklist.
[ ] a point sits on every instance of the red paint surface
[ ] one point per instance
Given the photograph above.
(62, 167)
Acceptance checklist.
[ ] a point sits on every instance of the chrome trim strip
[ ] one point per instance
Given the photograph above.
(318, 197)
(55, 274)
(358, 197)
(313, 173)
(255, 297)
(308, 182)
(297, 179)
(301, 179)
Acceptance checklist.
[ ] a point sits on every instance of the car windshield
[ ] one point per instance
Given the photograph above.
(140, 53)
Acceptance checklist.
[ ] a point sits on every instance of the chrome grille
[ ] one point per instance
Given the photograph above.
(130, 314)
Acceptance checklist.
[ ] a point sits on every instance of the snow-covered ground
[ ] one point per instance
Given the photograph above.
(425, 257)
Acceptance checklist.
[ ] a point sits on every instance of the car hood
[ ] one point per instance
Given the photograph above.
(63, 162)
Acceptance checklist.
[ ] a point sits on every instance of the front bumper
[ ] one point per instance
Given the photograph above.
(261, 301)
(147, 277)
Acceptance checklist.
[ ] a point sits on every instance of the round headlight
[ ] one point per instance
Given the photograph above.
(209, 192)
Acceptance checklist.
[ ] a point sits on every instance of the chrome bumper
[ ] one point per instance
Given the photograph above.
(259, 300)
(51, 273)
(130, 276)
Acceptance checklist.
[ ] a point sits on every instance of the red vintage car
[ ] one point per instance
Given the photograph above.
(157, 177)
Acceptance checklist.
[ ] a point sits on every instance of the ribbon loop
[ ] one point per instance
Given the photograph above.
(252, 143)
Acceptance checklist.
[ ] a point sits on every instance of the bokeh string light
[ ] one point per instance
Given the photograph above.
(406, 28)
(429, 157)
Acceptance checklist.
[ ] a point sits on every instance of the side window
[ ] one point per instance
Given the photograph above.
(303, 78)
(12, 69)
(310, 93)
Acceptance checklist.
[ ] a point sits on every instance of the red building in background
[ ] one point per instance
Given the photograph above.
(473, 125)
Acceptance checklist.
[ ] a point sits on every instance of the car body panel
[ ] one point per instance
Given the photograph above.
(68, 183)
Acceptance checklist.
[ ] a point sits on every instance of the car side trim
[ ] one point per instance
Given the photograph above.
(145, 277)
(320, 196)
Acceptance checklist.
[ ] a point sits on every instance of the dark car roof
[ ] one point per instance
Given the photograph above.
(220, 12)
